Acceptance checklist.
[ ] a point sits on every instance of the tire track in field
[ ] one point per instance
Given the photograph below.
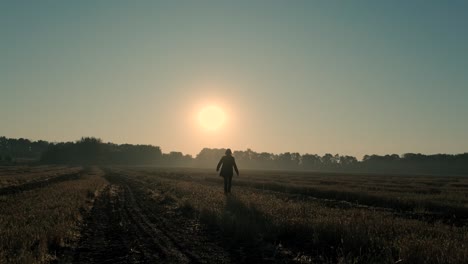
(109, 235)
(125, 226)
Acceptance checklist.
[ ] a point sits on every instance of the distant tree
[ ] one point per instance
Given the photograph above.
(89, 150)
(296, 160)
(311, 162)
(207, 157)
(285, 160)
(174, 158)
(347, 162)
(264, 160)
(328, 161)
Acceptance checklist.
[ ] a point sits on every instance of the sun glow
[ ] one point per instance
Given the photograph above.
(211, 117)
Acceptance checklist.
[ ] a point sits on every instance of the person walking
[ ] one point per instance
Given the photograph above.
(228, 163)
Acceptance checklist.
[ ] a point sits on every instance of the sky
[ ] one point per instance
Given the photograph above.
(347, 77)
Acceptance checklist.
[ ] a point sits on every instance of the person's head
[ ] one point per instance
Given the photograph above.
(228, 152)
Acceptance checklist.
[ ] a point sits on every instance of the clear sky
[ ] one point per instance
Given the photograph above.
(348, 77)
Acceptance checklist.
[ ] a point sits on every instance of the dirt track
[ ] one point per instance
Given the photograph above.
(125, 226)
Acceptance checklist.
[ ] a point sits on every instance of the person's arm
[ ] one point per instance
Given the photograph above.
(219, 164)
(235, 167)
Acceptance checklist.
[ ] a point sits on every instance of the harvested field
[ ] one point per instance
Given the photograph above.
(150, 215)
(16, 176)
(38, 225)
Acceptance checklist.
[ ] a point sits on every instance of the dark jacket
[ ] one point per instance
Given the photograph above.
(228, 163)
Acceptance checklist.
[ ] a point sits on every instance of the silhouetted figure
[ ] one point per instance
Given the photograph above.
(228, 163)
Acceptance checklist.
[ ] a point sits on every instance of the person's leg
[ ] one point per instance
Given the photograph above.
(229, 183)
(225, 184)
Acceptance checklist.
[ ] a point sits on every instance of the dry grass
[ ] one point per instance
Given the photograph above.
(36, 224)
(312, 218)
(18, 175)
(274, 223)
(439, 195)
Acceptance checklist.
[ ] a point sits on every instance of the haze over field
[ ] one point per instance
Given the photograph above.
(358, 77)
(216, 131)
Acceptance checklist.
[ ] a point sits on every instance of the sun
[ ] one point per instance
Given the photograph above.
(211, 117)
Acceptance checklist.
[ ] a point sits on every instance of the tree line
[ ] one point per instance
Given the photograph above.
(92, 151)
(21, 149)
(409, 163)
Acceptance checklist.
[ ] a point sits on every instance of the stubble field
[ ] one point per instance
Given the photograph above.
(150, 215)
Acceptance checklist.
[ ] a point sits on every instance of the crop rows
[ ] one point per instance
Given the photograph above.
(267, 224)
(38, 225)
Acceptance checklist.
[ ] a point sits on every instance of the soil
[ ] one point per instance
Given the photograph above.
(127, 226)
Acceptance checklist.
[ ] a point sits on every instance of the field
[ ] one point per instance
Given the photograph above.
(151, 215)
